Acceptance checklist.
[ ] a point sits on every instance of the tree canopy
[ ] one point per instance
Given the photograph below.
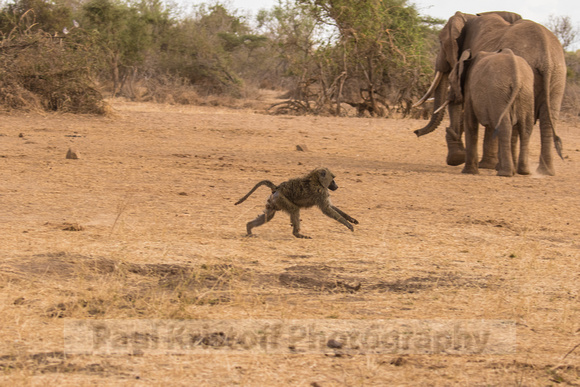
(375, 55)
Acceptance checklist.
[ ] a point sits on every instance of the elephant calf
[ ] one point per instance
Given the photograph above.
(498, 91)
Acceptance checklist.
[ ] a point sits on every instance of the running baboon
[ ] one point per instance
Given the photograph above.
(303, 192)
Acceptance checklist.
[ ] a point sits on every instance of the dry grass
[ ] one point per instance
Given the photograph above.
(40, 72)
(143, 226)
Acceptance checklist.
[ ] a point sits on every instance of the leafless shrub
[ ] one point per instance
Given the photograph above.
(563, 28)
(169, 89)
(571, 102)
(40, 71)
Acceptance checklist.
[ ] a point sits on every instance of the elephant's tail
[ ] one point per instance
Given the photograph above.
(268, 183)
(515, 91)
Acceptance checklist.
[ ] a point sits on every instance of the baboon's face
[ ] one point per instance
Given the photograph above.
(327, 180)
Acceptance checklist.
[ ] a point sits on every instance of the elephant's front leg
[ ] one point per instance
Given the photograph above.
(471, 132)
(489, 159)
(455, 148)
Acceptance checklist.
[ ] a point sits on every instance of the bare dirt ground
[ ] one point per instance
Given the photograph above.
(143, 226)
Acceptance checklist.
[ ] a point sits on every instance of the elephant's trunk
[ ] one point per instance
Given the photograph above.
(440, 99)
(441, 107)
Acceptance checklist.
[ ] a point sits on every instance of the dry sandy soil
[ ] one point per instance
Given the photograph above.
(143, 226)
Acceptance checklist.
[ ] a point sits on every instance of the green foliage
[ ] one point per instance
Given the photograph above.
(200, 48)
(339, 47)
(231, 42)
(373, 54)
(211, 49)
(122, 35)
(329, 50)
(20, 15)
(374, 50)
(292, 30)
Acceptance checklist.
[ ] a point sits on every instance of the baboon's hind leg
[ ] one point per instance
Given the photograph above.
(295, 220)
(260, 220)
(279, 201)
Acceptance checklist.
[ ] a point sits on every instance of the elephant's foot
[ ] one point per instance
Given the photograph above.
(456, 158)
(488, 163)
(455, 153)
(471, 169)
(545, 169)
(523, 170)
(505, 172)
(455, 148)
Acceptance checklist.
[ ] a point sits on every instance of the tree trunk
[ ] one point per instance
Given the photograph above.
(115, 73)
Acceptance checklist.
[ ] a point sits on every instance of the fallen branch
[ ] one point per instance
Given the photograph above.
(290, 105)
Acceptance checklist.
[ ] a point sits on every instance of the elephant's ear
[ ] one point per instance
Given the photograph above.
(458, 76)
(449, 36)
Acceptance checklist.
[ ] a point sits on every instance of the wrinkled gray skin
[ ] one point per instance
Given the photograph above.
(497, 90)
(492, 32)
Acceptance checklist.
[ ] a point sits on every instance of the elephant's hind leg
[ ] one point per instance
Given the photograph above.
(525, 132)
(489, 159)
(546, 166)
(506, 160)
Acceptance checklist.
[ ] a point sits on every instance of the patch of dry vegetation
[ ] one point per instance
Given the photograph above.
(42, 72)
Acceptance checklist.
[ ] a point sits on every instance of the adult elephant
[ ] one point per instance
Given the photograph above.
(491, 32)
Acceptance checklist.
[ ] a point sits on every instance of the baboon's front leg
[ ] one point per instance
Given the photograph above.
(332, 213)
(260, 220)
(345, 215)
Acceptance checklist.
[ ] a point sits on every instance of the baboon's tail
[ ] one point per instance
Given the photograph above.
(271, 185)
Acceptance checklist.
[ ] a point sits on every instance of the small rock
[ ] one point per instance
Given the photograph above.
(72, 227)
(72, 155)
(334, 344)
(301, 148)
